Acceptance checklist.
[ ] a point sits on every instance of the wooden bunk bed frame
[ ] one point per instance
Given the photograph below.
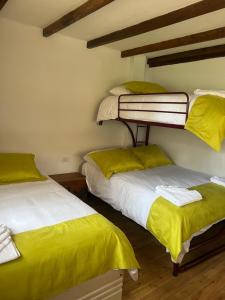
(219, 227)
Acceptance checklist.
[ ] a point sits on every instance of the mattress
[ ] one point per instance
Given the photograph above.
(108, 109)
(122, 191)
(32, 205)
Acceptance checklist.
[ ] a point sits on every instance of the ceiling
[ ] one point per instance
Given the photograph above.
(114, 16)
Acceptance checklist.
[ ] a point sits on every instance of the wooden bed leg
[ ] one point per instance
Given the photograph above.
(175, 269)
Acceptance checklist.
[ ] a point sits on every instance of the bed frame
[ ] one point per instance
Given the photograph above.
(107, 286)
(146, 124)
(218, 234)
(177, 268)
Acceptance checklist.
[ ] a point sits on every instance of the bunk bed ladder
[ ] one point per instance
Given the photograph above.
(146, 140)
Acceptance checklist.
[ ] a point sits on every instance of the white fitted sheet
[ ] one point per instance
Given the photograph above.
(133, 193)
(108, 109)
(32, 205)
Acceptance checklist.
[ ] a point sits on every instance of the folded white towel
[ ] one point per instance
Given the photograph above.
(178, 195)
(218, 180)
(4, 236)
(220, 93)
(9, 253)
(3, 228)
(5, 243)
(8, 250)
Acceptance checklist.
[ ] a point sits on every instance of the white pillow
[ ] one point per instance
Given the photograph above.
(119, 90)
(220, 93)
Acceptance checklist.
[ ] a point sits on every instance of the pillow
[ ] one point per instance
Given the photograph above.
(144, 87)
(18, 167)
(151, 156)
(88, 158)
(207, 120)
(119, 90)
(220, 93)
(115, 161)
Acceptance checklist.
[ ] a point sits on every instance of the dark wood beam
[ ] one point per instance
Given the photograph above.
(187, 56)
(176, 16)
(2, 3)
(200, 37)
(79, 13)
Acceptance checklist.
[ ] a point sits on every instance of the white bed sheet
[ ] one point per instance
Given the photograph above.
(133, 193)
(108, 109)
(32, 205)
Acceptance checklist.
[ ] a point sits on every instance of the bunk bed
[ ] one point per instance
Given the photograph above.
(166, 110)
(155, 109)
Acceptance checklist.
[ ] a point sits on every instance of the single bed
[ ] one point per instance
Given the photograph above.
(133, 193)
(68, 250)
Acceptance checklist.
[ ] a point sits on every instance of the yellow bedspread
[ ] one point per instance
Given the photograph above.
(173, 225)
(58, 257)
(207, 120)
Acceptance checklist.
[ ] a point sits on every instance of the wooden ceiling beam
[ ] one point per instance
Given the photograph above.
(77, 14)
(200, 37)
(187, 56)
(176, 16)
(2, 3)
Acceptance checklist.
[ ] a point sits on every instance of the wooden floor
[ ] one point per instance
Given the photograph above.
(203, 282)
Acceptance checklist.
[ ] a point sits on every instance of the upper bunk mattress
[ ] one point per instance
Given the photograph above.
(109, 108)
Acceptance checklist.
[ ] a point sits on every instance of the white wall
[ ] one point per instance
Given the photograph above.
(186, 149)
(49, 94)
(205, 74)
(50, 90)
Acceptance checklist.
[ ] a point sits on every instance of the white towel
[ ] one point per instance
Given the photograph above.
(4, 236)
(220, 93)
(177, 195)
(8, 250)
(5, 243)
(218, 180)
(9, 253)
(3, 228)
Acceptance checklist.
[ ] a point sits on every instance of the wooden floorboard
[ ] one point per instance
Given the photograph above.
(203, 282)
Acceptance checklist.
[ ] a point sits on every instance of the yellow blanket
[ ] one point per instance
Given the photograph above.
(58, 257)
(173, 225)
(207, 120)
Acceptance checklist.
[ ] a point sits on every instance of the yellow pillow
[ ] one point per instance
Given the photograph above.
(151, 156)
(144, 87)
(18, 167)
(115, 161)
(207, 120)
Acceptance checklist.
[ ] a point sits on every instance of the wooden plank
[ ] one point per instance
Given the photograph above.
(200, 37)
(77, 14)
(187, 56)
(179, 15)
(2, 3)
